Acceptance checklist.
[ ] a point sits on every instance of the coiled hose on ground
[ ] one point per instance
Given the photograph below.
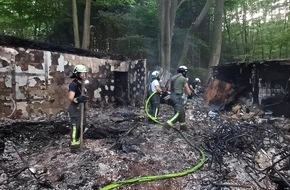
(163, 176)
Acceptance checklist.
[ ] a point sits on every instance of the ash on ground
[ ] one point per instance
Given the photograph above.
(244, 150)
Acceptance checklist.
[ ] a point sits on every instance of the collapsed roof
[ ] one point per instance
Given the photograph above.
(11, 41)
(263, 83)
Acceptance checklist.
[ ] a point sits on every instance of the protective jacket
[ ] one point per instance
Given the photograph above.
(155, 99)
(178, 82)
(74, 110)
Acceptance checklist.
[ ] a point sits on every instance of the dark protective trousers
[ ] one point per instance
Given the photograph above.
(179, 113)
(154, 105)
(75, 122)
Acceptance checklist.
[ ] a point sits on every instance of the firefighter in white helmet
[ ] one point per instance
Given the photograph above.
(197, 83)
(76, 97)
(194, 85)
(154, 86)
(178, 85)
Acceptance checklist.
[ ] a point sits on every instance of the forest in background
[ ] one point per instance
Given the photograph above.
(168, 33)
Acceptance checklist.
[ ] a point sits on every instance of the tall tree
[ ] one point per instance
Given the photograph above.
(75, 24)
(167, 14)
(30, 19)
(259, 29)
(191, 30)
(105, 4)
(86, 29)
(166, 35)
(217, 33)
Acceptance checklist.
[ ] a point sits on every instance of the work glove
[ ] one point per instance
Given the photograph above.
(81, 99)
(166, 95)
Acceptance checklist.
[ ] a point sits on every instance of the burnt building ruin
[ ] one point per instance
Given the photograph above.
(34, 78)
(262, 83)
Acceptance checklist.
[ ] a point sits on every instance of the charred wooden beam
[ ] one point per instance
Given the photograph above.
(267, 81)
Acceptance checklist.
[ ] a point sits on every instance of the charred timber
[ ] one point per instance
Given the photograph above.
(11, 41)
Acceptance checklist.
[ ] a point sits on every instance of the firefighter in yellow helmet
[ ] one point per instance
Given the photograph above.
(76, 97)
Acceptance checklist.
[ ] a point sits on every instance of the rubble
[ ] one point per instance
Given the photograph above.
(242, 153)
(261, 83)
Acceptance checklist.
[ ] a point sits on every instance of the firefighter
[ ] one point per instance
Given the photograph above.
(76, 97)
(194, 85)
(155, 99)
(178, 84)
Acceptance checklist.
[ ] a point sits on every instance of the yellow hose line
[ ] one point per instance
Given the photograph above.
(163, 176)
(147, 111)
(157, 177)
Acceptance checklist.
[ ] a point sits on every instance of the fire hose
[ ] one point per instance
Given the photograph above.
(163, 176)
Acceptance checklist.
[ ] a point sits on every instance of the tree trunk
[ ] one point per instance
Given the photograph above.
(286, 44)
(217, 33)
(161, 25)
(173, 10)
(87, 21)
(75, 24)
(191, 29)
(238, 37)
(228, 28)
(245, 31)
(165, 29)
(167, 14)
(284, 31)
(167, 35)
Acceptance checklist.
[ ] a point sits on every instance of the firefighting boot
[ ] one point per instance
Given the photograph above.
(183, 127)
(75, 142)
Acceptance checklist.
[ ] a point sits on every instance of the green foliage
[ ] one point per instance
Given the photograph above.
(129, 27)
(255, 30)
(130, 31)
(252, 30)
(112, 3)
(133, 46)
(30, 19)
(198, 73)
(197, 55)
(114, 24)
(230, 5)
(143, 20)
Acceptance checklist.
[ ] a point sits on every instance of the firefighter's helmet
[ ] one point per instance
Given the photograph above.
(183, 70)
(197, 80)
(155, 74)
(80, 69)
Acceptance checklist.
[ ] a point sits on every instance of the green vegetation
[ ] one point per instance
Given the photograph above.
(251, 29)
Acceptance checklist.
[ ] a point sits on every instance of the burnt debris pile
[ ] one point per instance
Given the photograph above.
(262, 148)
(242, 153)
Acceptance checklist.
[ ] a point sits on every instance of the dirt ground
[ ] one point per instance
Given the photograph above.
(119, 144)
